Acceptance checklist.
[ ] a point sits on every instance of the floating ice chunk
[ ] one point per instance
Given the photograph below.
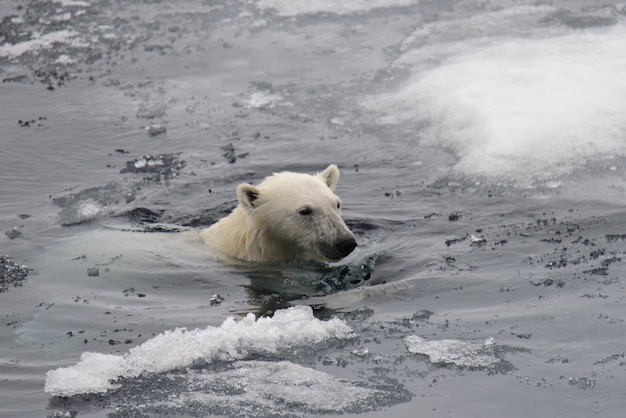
(261, 100)
(266, 385)
(64, 60)
(151, 111)
(89, 209)
(242, 389)
(65, 17)
(11, 273)
(518, 110)
(81, 212)
(461, 353)
(582, 382)
(149, 161)
(72, 3)
(155, 130)
(93, 374)
(233, 340)
(294, 8)
(42, 42)
(140, 163)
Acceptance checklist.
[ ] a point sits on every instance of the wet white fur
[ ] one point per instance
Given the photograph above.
(267, 225)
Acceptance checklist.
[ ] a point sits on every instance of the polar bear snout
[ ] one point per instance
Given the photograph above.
(346, 246)
(340, 249)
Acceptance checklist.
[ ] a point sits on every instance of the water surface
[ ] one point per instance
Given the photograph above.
(481, 148)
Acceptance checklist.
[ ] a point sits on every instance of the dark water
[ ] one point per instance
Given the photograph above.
(481, 148)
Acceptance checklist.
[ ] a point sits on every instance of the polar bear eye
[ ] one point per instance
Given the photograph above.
(338, 205)
(305, 211)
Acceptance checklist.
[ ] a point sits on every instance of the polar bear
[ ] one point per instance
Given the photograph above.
(289, 216)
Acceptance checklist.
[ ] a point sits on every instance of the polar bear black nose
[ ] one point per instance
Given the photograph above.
(346, 246)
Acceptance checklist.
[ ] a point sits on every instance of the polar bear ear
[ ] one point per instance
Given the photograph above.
(330, 176)
(248, 196)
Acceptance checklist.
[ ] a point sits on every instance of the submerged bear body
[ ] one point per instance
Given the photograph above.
(289, 216)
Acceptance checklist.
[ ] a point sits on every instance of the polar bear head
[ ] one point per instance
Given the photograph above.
(297, 216)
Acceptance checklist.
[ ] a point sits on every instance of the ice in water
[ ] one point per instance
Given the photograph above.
(295, 8)
(461, 353)
(517, 109)
(42, 42)
(233, 340)
(265, 384)
(262, 100)
(225, 371)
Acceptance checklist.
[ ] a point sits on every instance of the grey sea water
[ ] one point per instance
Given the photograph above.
(481, 147)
